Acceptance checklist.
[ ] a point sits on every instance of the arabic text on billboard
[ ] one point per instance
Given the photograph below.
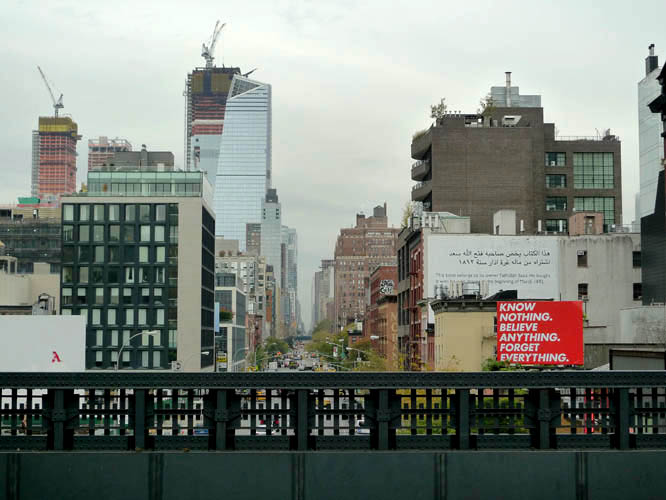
(540, 333)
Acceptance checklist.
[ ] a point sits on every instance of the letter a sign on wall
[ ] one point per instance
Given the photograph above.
(540, 332)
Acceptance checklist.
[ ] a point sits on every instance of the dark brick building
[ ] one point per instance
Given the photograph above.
(508, 158)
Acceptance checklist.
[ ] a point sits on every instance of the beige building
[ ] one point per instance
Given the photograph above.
(19, 292)
(464, 334)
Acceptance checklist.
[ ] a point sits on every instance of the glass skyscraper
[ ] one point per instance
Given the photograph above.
(244, 166)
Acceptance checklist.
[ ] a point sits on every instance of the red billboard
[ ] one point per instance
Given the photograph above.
(540, 332)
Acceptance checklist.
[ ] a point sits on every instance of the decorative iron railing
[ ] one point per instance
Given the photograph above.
(333, 411)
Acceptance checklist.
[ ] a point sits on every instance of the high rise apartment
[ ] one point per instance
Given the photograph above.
(358, 251)
(253, 238)
(54, 157)
(650, 143)
(102, 149)
(141, 259)
(206, 91)
(271, 246)
(508, 158)
(244, 168)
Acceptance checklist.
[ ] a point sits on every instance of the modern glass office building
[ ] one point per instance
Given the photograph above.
(137, 257)
(244, 167)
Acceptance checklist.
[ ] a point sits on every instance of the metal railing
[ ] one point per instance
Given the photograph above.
(323, 411)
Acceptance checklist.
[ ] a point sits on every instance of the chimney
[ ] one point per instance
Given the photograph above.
(651, 61)
(508, 89)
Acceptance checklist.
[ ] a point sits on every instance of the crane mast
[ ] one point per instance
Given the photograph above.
(57, 104)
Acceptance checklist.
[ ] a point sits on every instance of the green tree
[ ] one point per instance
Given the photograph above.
(486, 106)
(274, 345)
(407, 213)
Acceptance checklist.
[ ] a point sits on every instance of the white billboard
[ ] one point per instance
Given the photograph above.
(42, 343)
(489, 264)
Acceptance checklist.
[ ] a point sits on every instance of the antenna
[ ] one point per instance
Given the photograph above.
(56, 104)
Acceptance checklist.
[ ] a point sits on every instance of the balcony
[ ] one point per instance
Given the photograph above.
(421, 143)
(421, 190)
(420, 170)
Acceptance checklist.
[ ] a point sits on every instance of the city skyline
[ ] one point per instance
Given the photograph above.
(348, 93)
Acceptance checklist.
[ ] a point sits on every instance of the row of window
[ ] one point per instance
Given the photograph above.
(101, 254)
(113, 212)
(582, 258)
(603, 204)
(583, 291)
(114, 316)
(112, 232)
(142, 274)
(111, 295)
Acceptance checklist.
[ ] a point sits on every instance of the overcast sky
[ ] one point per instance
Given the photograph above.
(351, 82)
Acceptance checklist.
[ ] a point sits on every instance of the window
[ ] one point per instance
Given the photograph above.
(111, 316)
(144, 274)
(114, 212)
(144, 359)
(636, 257)
(97, 275)
(68, 254)
(556, 203)
(84, 254)
(157, 295)
(130, 254)
(593, 170)
(556, 159)
(99, 356)
(159, 316)
(556, 181)
(98, 233)
(145, 233)
(98, 213)
(129, 275)
(82, 296)
(99, 296)
(144, 213)
(145, 296)
(83, 274)
(98, 253)
(156, 359)
(67, 233)
(582, 258)
(160, 254)
(638, 291)
(67, 296)
(603, 204)
(160, 212)
(159, 233)
(582, 291)
(128, 232)
(129, 316)
(84, 233)
(114, 232)
(114, 254)
(127, 296)
(113, 275)
(68, 213)
(159, 275)
(113, 295)
(67, 274)
(114, 339)
(143, 254)
(130, 213)
(96, 317)
(556, 225)
(142, 318)
(84, 212)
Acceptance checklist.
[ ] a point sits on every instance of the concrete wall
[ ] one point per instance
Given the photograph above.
(610, 276)
(417, 475)
(23, 289)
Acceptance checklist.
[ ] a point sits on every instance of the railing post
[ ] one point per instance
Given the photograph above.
(61, 417)
(140, 430)
(221, 411)
(462, 418)
(622, 418)
(383, 420)
(302, 430)
(545, 409)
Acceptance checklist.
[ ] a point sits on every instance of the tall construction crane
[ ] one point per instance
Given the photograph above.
(56, 104)
(207, 50)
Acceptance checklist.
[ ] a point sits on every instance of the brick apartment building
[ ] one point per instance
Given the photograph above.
(382, 313)
(358, 251)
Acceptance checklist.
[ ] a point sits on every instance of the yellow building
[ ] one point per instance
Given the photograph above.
(465, 333)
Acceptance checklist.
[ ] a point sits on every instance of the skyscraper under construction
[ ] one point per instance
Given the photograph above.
(206, 92)
(54, 157)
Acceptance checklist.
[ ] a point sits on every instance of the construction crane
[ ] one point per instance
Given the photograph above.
(207, 50)
(250, 72)
(56, 104)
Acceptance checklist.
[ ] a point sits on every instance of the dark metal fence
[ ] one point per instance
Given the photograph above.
(333, 411)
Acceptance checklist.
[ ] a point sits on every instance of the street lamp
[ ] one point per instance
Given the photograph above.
(152, 333)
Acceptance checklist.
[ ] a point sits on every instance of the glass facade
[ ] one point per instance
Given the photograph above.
(244, 168)
(122, 286)
(145, 183)
(593, 170)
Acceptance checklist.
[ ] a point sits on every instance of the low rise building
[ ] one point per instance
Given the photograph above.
(37, 292)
